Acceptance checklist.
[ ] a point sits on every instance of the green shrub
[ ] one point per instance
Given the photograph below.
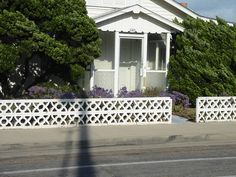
(205, 60)
(44, 38)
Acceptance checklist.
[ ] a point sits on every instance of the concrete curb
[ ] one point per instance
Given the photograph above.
(71, 140)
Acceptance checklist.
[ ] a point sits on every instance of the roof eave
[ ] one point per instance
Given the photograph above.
(142, 10)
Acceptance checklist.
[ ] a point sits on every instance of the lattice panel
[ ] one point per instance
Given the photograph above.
(67, 113)
(209, 109)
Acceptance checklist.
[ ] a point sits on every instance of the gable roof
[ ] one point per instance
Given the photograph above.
(190, 12)
(182, 8)
(136, 9)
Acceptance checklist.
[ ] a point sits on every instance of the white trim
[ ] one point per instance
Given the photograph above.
(117, 62)
(144, 38)
(183, 9)
(168, 36)
(104, 70)
(131, 36)
(135, 9)
(91, 82)
(156, 71)
(157, 55)
(144, 59)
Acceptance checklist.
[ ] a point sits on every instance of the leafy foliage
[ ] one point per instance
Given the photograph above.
(205, 60)
(44, 38)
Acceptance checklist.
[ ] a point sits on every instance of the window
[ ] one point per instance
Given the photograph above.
(156, 59)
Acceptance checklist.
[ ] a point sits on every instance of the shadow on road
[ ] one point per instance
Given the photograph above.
(80, 152)
(83, 156)
(68, 155)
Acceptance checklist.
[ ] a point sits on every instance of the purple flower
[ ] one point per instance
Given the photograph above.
(37, 90)
(99, 92)
(124, 93)
(177, 98)
(42, 92)
(54, 93)
(68, 95)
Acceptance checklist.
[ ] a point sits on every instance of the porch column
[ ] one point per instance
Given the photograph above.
(168, 36)
(144, 55)
(91, 82)
(117, 61)
(157, 56)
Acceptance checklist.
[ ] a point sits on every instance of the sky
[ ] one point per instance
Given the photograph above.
(225, 9)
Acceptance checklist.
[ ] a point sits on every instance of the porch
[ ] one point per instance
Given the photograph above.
(136, 61)
(135, 51)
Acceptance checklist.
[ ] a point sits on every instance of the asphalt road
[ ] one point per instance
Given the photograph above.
(212, 161)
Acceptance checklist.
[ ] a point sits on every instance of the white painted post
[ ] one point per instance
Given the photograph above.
(197, 110)
(117, 63)
(144, 58)
(168, 35)
(157, 56)
(91, 82)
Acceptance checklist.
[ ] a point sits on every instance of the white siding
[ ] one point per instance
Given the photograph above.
(113, 3)
(97, 11)
(163, 9)
(98, 7)
(127, 23)
(104, 79)
(156, 80)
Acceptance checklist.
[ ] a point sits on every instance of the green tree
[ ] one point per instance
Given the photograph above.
(205, 60)
(44, 39)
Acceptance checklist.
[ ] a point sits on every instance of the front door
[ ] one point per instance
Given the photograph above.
(130, 63)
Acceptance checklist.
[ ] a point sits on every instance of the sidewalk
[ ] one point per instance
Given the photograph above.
(44, 140)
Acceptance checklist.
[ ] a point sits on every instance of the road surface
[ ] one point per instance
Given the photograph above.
(197, 161)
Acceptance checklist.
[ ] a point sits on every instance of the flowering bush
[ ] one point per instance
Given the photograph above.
(99, 92)
(124, 93)
(54, 93)
(50, 92)
(38, 92)
(178, 98)
(68, 95)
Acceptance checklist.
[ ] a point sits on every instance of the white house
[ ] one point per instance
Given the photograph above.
(136, 39)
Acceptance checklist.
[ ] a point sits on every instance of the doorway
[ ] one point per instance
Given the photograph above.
(130, 65)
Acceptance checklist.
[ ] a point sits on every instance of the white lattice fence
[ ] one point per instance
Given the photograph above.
(67, 113)
(209, 109)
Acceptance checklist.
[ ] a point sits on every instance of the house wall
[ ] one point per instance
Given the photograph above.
(98, 7)
(106, 60)
(130, 22)
(156, 80)
(104, 65)
(163, 9)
